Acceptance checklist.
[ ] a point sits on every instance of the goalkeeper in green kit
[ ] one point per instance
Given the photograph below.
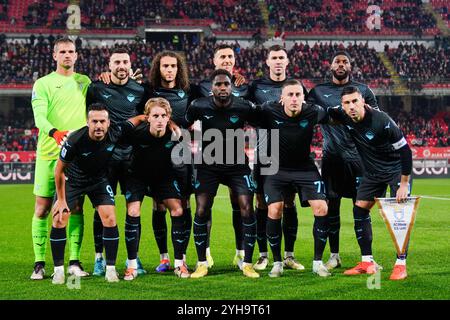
(59, 106)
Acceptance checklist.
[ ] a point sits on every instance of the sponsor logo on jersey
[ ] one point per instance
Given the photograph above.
(278, 122)
(106, 95)
(327, 95)
(235, 93)
(110, 148)
(208, 117)
(181, 93)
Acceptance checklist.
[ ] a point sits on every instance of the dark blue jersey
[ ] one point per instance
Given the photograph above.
(89, 158)
(336, 140)
(377, 138)
(265, 90)
(179, 101)
(295, 133)
(231, 117)
(122, 102)
(151, 155)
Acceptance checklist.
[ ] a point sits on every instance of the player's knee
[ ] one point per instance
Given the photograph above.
(275, 211)
(201, 212)
(320, 209)
(41, 210)
(60, 222)
(176, 212)
(109, 220)
(134, 212)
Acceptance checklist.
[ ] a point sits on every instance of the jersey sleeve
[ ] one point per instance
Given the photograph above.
(322, 114)
(40, 104)
(121, 131)
(140, 108)
(370, 99)
(192, 113)
(394, 134)
(90, 95)
(336, 113)
(194, 92)
(68, 151)
(254, 114)
(312, 96)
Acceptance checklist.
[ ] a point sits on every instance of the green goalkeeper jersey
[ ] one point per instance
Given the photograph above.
(58, 102)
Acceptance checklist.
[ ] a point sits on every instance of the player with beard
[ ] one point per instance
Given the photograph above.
(82, 170)
(123, 97)
(341, 163)
(261, 91)
(387, 160)
(224, 58)
(224, 112)
(169, 80)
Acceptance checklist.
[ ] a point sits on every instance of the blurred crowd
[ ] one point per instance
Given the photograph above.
(25, 62)
(244, 15)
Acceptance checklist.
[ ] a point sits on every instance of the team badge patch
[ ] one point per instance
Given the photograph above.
(370, 135)
(303, 123)
(181, 94)
(234, 119)
(131, 97)
(169, 144)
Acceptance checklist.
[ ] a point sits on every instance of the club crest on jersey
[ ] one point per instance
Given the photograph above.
(234, 119)
(370, 135)
(33, 95)
(303, 123)
(235, 93)
(131, 97)
(110, 148)
(181, 94)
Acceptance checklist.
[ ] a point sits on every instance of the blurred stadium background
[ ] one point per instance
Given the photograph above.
(400, 48)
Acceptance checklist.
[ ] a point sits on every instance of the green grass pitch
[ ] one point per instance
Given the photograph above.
(428, 261)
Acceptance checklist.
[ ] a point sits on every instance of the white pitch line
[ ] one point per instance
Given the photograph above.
(435, 198)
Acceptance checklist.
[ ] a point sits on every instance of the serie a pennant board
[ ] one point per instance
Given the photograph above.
(399, 219)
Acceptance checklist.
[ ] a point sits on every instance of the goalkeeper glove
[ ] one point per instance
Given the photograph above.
(59, 136)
